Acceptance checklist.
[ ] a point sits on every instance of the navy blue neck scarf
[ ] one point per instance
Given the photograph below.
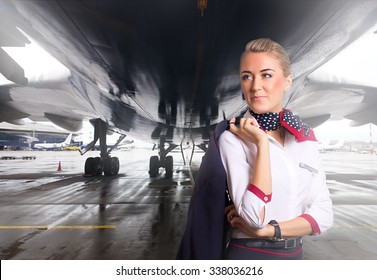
(285, 118)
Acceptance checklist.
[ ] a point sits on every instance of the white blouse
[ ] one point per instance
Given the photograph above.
(298, 182)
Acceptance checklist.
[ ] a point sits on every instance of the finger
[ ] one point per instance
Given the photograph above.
(253, 122)
(232, 121)
(250, 122)
(256, 124)
(231, 214)
(229, 217)
(228, 208)
(238, 223)
(243, 122)
(232, 126)
(235, 223)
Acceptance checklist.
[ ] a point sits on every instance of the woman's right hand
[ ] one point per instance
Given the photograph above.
(248, 130)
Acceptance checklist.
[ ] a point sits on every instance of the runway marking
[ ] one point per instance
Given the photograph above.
(42, 227)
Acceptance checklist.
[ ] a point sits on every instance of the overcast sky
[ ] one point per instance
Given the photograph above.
(340, 130)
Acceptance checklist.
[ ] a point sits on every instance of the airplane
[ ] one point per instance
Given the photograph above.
(25, 133)
(331, 145)
(125, 144)
(167, 71)
(54, 146)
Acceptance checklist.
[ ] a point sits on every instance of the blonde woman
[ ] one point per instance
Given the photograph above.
(271, 158)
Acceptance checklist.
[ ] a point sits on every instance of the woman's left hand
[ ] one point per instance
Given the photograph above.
(237, 222)
(230, 212)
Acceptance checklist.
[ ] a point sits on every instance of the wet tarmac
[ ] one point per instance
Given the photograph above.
(352, 180)
(50, 214)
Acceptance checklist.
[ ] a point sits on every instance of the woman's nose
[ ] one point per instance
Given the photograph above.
(256, 85)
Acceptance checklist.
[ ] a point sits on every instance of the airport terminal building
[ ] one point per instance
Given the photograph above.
(19, 137)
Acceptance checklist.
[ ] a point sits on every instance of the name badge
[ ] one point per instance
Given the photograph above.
(309, 168)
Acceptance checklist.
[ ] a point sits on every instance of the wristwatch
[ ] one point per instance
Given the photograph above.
(277, 234)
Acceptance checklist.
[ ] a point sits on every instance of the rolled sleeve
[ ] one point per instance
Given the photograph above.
(313, 223)
(248, 199)
(259, 193)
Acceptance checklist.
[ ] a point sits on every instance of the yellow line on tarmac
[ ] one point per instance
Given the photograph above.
(60, 227)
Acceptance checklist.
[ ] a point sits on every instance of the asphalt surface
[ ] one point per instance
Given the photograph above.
(64, 215)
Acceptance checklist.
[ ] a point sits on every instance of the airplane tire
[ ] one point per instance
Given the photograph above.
(89, 166)
(154, 164)
(97, 167)
(93, 166)
(169, 167)
(116, 164)
(111, 166)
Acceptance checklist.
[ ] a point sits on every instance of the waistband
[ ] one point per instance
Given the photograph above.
(266, 243)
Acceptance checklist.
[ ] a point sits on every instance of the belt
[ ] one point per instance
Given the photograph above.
(267, 243)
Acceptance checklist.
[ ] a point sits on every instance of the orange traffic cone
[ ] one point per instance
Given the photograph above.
(60, 166)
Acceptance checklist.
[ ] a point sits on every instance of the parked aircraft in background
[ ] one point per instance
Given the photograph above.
(331, 145)
(125, 144)
(54, 146)
(167, 71)
(24, 134)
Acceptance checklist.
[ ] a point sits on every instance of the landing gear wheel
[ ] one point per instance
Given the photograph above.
(111, 166)
(154, 165)
(89, 165)
(97, 166)
(93, 166)
(169, 167)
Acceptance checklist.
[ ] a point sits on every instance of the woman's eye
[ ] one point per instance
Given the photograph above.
(267, 76)
(246, 77)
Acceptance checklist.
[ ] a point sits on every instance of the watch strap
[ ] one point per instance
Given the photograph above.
(277, 233)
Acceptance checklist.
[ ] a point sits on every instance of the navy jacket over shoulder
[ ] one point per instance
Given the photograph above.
(206, 227)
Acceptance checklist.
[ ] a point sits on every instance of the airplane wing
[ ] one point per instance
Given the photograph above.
(168, 70)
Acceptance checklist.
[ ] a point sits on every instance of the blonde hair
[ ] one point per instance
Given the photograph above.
(268, 45)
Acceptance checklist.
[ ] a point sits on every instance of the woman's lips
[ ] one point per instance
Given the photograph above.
(258, 97)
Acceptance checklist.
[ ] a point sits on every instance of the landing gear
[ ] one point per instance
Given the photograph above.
(111, 166)
(154, 166)
(96, 165)
(155, 163)
(105, 163)
(164, 161)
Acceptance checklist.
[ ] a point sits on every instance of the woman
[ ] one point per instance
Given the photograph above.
(275, 180)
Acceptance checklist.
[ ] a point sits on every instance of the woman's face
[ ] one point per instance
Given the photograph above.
(263, 82)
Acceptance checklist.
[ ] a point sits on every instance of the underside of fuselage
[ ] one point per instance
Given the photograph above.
(165, 71)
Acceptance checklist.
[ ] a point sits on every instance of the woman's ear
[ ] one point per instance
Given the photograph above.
(288, 83)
